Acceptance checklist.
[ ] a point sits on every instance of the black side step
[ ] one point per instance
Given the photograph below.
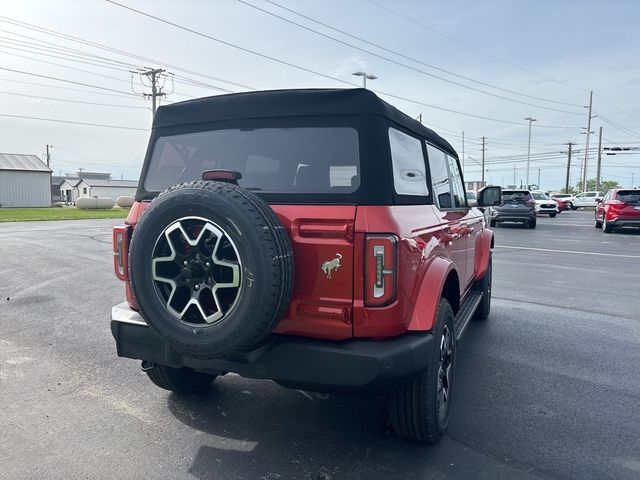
(467, 309)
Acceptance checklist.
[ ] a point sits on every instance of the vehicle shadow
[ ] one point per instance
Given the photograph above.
(256, 429)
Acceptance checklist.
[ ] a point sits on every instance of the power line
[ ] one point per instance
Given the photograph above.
(83, 41)
(72, 101)
(405, 56)
(73, 122)
(58, 87)
(64, 80)
(232, 45)
(453, 39)
(395, 62)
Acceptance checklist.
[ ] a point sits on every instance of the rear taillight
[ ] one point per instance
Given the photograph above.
(121, 235)
(380, 269)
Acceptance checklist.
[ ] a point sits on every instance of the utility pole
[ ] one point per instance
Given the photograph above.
(566, 183)
(539, 179)
(514, 175)
(49, 156)
(632, 174)
(586, 151)
(157, 78)
(599, 160)
(529, 147)
(483, 143)
(463, 152)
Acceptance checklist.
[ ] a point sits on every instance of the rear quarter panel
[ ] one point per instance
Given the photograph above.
(423, 264)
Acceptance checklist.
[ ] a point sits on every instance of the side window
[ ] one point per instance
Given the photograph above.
(457, 187)
(409, 170)
(84, 190)
(439, 177)
(607, 196)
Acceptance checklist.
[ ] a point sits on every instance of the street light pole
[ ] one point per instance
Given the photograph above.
(529, 148)
(586, 150)
(365, 76)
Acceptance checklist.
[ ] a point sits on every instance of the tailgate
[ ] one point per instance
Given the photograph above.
(323, 247)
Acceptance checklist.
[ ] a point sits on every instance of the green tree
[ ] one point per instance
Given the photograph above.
(591, 185)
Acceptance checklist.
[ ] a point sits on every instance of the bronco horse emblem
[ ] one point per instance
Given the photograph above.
(331, 265)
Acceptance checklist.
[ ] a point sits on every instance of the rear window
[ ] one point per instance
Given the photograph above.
(279, 160)
(516, 195)
(628, 195)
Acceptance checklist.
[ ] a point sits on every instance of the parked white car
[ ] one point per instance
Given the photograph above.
(586, 199)
(544, 205)
(472, 198)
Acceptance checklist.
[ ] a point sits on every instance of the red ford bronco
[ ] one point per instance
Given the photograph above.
(317, 238)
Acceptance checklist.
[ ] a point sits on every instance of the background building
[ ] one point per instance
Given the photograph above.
(88, 187)
(25, 181)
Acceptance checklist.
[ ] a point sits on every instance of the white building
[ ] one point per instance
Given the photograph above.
(88, 187)
(25, 181)
(69, 190)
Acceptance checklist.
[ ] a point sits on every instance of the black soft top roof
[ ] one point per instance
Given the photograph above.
(290, 103)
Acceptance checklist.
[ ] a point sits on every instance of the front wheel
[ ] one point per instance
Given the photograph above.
(492, 223)
(532, 224)
(598, 223)
(552, 215)
(179, 380)
(484, 286)
(573, 207)
(419, 410)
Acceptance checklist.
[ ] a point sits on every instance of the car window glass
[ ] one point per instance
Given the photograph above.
(269, 159)
(628, 195)
(591, 194)
(457, 186)
(409, 170)
(439, 177)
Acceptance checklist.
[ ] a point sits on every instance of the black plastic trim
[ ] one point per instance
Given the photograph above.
(351, 366)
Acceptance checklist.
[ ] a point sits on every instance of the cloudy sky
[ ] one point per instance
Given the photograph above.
(465, 66)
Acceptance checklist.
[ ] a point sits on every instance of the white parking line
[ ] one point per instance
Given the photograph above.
(568, 251)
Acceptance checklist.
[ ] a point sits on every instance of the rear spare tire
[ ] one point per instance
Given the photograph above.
(211, 267)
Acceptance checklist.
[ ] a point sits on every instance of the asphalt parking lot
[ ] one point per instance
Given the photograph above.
(548, 388)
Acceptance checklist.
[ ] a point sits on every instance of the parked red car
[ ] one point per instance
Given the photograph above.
(618, 208)
(563, 203)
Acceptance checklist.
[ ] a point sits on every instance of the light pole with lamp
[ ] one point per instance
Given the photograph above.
(364, 76)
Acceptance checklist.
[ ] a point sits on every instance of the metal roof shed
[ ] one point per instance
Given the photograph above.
(25, 181)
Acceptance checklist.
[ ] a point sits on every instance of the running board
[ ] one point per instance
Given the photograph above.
(466, 311)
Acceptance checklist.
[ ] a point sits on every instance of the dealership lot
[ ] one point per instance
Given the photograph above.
(549, 387)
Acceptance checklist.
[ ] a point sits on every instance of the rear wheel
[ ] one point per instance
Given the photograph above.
(492, 223)
(180, 380)
(419, 410)
(606, 226)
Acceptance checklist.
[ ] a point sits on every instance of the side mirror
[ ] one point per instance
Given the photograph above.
(598, 200)
(489, 196)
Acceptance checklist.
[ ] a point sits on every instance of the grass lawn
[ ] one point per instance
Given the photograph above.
(57, 213)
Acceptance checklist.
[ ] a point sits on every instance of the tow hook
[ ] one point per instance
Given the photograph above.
(146, 366)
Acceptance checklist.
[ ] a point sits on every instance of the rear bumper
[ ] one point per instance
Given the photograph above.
(349, 366)
(506, 216)
(624, 222)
